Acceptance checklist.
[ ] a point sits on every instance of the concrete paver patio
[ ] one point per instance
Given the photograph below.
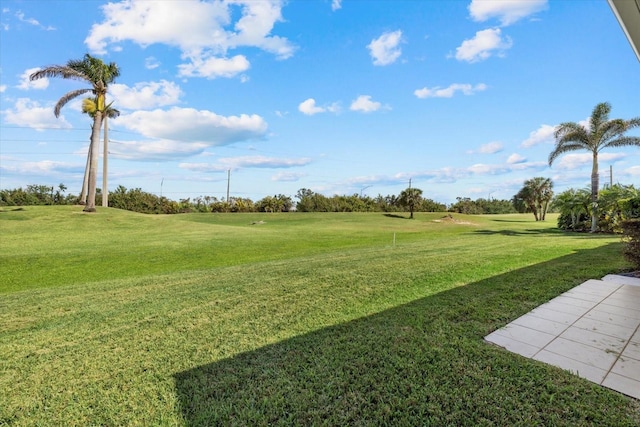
(592, 330)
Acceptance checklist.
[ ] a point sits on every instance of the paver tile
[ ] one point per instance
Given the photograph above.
(581, 369)
(615, 319)
(627, 312)
(539, 324)
(512, 345)
(554, 316)
(526, 335)
(622, 384)
(574, 302)
(561, 305)
(584, 296)
(583, 353)
(623, 301)
(627, 367)
(625, 280)
(604, 328)
(594, 339)
(632, 350)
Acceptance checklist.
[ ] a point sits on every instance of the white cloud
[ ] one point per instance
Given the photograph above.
(233, 163)
(32, 21)
(577, 160)
(203, 31)
(288, 176)
(145, 95)
(154, 150)
(448, 92)
(3, 88)
(544, 134)
(491, 148)
(632, 171)
(26, 84)
(515, 158)
(43, 168)
(385, 49)
(26, 112)
(507, 11)
(214, 67)
(189, 125)
(310, 108)
(151, 63)
(364, 104)
(336, 4)
(499, 169)
(483, 45)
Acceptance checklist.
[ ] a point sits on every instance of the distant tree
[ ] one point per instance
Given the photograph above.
(410, 198)
(309, 201)
(428, 205)
(465, 205)
(599, 134)
(536, 194)
(99, 75)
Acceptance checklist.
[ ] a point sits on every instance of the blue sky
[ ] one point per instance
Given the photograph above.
(341, 97)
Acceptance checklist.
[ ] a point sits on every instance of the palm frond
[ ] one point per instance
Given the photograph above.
(624, 141)
(68, 97)
(599, 115)
(58, 71)
(564, 148)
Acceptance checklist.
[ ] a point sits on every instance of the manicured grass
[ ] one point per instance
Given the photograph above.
(302, 320)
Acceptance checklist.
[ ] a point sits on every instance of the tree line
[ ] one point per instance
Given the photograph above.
(600, 133)
(305, 200)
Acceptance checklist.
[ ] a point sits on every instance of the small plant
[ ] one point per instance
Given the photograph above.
(631, 230)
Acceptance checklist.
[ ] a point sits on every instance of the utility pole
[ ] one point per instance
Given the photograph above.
(228, 183)
(611, 175)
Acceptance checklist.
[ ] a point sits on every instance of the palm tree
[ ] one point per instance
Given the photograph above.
(537, 194)
(90, 106)
(99, 75)
(599, 134)
(573, 203)
(410, 198)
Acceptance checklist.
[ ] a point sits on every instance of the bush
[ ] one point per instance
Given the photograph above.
(631, 230)
(576, 222)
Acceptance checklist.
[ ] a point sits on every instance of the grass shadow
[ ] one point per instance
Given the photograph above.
(526, 232)
(12, 210)
(389, 215)
(422, 363)
(544, 231)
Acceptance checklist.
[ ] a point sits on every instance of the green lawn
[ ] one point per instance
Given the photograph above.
(118, 318)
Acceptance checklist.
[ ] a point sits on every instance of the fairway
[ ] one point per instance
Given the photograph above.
(118, 318)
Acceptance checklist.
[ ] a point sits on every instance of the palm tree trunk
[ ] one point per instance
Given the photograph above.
(105, 191)
(85, 180)
(93, 167)
(595, 185)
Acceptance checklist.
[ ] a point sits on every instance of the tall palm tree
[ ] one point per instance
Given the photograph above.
(410, 198)
(99, 75)
(599, 134)
(90, 106)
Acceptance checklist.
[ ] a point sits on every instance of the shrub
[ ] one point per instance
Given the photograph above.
(631, 237)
